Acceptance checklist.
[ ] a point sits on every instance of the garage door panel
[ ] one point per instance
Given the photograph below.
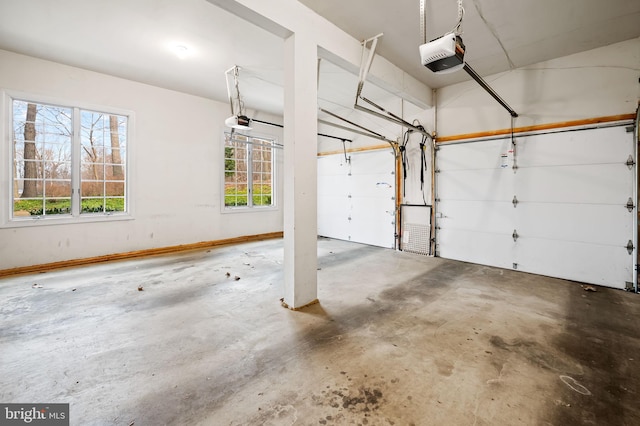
(591, 263)
(334, 205)
(373, 185)
(477, 247)
(485, 155)
(370, 231)
(333, 185)
(374, 162)
(372, 221)
(574, 222)
(574, 148)
(486, 184)
(364, 207)
(356, 202)
(570, 217)
(495, 217)
(332, 226)
(332, 165)
(602, 184)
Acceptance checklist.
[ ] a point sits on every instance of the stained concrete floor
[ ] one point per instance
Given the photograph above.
(397, 339)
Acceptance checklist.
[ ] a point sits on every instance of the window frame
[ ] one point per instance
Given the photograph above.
(7, 218)
(275, 148)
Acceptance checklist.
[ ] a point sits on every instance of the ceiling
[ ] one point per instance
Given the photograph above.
(136, 40)
(499, 34)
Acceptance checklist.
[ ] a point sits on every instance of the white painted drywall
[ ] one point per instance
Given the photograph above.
(595, 83)
(175, 174)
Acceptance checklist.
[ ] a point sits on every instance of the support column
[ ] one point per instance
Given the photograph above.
(300, 170)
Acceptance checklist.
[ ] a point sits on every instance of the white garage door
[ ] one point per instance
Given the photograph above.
(356, 199)
(563, 211)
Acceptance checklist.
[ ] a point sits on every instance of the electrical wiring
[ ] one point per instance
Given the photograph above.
(403, 155)
(423, 166)
(405, 161)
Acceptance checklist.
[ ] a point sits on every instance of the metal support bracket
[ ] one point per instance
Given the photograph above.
(630, 206)
(630, 162)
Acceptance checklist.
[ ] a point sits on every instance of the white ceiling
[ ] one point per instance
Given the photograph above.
(499, 34)
(134, 39)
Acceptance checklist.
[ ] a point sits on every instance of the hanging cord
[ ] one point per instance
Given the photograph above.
(423, 21)
(344, 149)
(423, 166)
(457, 30)
(236, 75)
(403, 154)
(513, 145)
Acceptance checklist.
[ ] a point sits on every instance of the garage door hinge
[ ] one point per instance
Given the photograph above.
(515, 235)
(630, 205)
(630, 247)
(515, 201)
(630, 162)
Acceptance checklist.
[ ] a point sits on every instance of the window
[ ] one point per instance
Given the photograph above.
(248, 171)
(68, 162)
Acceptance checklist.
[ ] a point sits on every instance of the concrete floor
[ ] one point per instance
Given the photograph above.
(397, 339)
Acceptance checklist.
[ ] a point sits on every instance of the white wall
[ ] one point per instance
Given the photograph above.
(595, 83)
(175, 172)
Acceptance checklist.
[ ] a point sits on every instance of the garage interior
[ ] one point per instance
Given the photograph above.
(378, 244)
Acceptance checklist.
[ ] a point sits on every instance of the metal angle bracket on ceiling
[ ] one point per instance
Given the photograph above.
(365, 66)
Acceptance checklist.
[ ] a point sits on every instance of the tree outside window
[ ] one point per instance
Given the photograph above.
(248, 171)
(47, 170)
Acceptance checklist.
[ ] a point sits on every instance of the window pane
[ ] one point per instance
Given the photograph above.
(236, 195)
(262, 189)
(58, 188)
(114, 189)
(42, 160)
(115, 204)
(27, 207)
(248, 164)
(92, 205)
(92, 189)
(57, 206)
(93, 172)
(57, 170)
(103, 169)
(41, 169)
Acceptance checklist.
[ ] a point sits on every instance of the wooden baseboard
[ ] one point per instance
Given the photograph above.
(137, 253)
